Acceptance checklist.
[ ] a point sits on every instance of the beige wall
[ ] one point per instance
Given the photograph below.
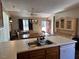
(37, 26)
(52, 18)
(70, 13)
(15, 25)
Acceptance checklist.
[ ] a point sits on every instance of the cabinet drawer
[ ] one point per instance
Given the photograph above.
(38, 57)
(52, 50)
(53, 56)
(23, 55)
(37, 53)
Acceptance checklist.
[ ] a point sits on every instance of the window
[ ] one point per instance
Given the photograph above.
(43, 25)
(25, 25)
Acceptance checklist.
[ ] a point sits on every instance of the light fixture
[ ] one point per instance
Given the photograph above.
(32, 16)
(10, 20)
(35, 21)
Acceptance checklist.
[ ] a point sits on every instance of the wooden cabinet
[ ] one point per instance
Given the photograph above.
(23, 55)
(37, 54)
(62, 23)
(57, 24)
(69, 25)
(52, 53)
(48, 53)
(66, 26)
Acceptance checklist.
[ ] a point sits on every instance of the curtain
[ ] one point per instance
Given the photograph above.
(30, 24)
(20, 24)
(48, 26)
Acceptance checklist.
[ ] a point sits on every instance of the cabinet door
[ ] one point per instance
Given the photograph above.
(37, 54)
(69, 25)
(52, 53)
(52, 56)
(23, 55)
(67, 51)
(62, 23)
(57, 24)
(38, 57)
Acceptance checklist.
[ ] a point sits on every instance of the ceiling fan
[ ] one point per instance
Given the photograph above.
(32, 16)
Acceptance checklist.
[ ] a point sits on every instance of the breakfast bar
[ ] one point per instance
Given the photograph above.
(19, 49)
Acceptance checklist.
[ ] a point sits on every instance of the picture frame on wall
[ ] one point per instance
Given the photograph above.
(1, 15)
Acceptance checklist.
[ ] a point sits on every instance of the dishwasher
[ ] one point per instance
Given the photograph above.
(67, 51)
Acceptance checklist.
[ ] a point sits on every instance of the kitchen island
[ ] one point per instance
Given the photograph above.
(62, 48)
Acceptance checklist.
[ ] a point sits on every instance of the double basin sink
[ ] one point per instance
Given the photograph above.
(41, 43)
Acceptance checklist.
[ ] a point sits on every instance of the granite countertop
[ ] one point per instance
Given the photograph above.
(9, 50)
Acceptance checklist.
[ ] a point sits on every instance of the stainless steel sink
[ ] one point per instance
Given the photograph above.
(36, 43)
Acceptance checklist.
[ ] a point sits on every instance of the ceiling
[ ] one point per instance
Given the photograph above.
(41, 8)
